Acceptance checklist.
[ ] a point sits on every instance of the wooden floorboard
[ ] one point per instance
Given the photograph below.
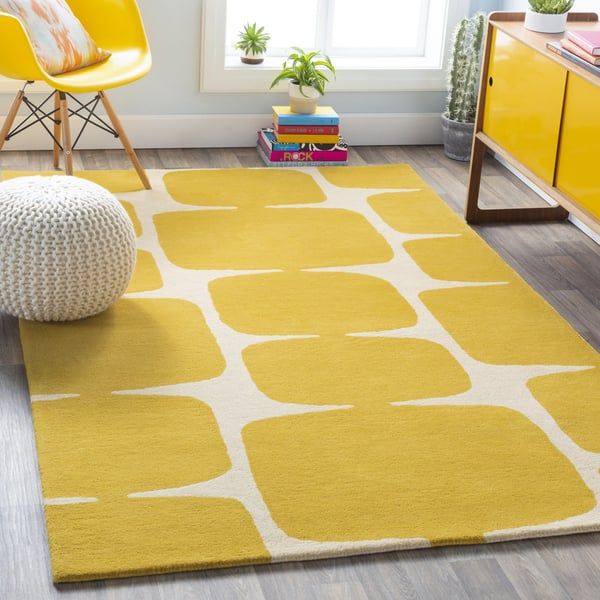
(559, 261)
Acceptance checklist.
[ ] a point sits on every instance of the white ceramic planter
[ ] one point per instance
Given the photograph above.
(252, 59)
(304, 102)
(545, 23)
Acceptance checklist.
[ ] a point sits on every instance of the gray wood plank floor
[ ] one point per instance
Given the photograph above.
(556, 259)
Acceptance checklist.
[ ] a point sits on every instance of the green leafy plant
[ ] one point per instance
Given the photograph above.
(551, 7)
(253, 40)
(303, 68)
(465, 68)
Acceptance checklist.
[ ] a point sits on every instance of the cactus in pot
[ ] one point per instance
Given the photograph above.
(463, 84)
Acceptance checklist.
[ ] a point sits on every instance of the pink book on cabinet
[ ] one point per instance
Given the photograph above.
(588, 40)
(578, 51)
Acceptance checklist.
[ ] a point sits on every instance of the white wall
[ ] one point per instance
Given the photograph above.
(189, 117)
(173, 86)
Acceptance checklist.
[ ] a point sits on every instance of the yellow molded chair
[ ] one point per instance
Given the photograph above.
(115, 25)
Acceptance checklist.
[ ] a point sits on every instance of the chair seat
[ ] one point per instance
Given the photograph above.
(121, 68)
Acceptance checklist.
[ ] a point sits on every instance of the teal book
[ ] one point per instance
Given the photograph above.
(325, 115)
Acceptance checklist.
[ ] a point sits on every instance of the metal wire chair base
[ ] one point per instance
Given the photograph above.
(86, 112)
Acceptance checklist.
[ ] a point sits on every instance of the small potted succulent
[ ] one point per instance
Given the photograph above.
(463, 81)
(548, 16)
(307, 79)
(253, 44)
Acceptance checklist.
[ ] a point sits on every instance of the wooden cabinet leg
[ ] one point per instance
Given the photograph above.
(10, 118)
(475, 214)
(66, 133)
(114, 119)
(477, 158)
(57, 129)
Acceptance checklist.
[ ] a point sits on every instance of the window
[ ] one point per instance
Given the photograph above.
(275, 16)
(338, 27)
(379, 45)
(352, 30)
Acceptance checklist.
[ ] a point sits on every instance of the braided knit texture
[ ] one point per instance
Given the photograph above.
(67, 248)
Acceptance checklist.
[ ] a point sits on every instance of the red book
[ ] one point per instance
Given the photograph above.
(586, 39)
(308, 129)
(575, 49)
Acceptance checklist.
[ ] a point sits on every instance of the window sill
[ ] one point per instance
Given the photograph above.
(343, 63)
(353, 75)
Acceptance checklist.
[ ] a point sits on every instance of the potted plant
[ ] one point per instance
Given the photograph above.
(306, 80)
(253, 44)
(548, 16)
(463, 80)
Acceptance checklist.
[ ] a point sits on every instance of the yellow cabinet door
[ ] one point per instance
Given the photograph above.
(523, 103)
(578, 174)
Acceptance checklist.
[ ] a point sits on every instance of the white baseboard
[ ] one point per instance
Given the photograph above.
(235, 131)
(591, 234)
(12, 86)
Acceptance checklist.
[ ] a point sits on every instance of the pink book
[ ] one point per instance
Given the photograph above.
(586, 39)
(575, 49)
(338, 155)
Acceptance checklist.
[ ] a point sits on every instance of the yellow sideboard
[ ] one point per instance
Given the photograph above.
(541, 114)
(578, 167)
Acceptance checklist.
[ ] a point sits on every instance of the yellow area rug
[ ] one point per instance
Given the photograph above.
(309, 363)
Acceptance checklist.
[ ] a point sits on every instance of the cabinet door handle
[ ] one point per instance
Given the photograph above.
(491, 81)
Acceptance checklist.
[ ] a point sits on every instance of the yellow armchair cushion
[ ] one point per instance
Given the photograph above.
(60, 41)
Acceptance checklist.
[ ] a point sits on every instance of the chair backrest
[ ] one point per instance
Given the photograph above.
(113, 24)
(17, 58)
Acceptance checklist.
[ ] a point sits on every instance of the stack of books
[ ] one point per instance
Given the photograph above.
(303, 140)
(581, 46)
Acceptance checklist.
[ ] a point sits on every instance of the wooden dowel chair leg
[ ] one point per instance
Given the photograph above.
(57, 129)
(10, 118)
(114, 119)
(66, 133)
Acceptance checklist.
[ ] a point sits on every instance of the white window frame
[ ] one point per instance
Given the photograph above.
(221, 74)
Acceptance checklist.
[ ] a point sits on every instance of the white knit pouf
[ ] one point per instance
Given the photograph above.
(67, 248)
